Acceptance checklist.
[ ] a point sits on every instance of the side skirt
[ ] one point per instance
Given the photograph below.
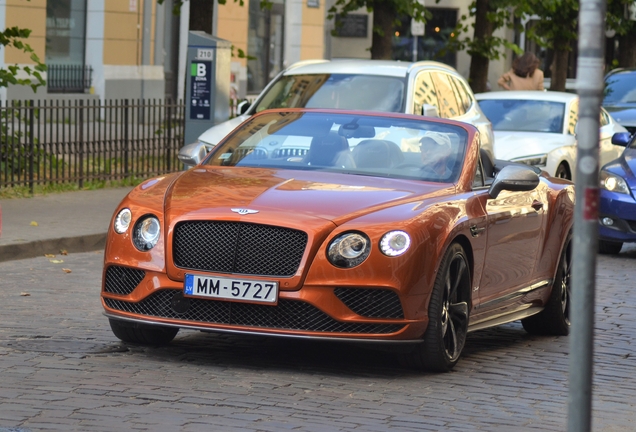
(526, 310)
(503, 319)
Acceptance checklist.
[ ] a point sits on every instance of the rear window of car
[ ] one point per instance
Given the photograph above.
(340, 91)
(620, 87)
(524, 115)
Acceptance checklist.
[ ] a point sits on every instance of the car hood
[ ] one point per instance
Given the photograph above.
(624, 166)
(220, 131)
(511, 145)
(625, 115)
(287, 196)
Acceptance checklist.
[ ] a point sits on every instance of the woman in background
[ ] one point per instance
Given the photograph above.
(524, 75)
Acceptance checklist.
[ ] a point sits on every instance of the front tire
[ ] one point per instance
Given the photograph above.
(555, 318)
(445, 335)
(563, 171)
(142, 334)
(609, 247)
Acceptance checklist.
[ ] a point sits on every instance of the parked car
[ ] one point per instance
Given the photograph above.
(617, 207)
(425, 88)
(620, 97)
(391, 228)
(539, 129)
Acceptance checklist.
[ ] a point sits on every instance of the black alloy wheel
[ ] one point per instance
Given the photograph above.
(554, 319)
(563, 172)
(445, 335)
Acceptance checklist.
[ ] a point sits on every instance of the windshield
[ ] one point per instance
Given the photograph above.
(340, 91)
(346, 143)
(524, 115)
(620, 88)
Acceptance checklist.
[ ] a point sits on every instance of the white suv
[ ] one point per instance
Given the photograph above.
(424, 88)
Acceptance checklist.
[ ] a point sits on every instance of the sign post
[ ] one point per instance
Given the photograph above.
(417, 29)
(208, 84)
(589, 85)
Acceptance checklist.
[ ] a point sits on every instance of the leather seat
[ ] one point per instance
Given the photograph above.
(374, 153)
(331, 150)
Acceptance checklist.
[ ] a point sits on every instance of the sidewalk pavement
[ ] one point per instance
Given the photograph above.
(72, 221)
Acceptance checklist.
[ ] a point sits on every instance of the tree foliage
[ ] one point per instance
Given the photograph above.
(13, 37)
(625, 33)
(479, 40)
(556, 27)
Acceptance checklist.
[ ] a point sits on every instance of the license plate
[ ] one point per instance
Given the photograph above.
(231, 289)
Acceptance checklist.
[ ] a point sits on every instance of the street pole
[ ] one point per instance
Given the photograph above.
(589, 83)
(414, 49)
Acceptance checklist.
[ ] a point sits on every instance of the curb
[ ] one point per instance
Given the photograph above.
(86, 243)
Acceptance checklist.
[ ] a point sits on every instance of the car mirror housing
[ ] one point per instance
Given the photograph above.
(621, 138)
(429, 110)
(514, 178)
(193, 154)
(242, 107)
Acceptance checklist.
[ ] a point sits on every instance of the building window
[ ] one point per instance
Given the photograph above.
(437, 32)
(265, 44)
(65, 43)
(65, 32)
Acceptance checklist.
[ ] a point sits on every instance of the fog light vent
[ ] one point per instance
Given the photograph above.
(607, 221)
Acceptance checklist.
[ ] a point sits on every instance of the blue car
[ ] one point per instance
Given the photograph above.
(620, 97)
(617, 206)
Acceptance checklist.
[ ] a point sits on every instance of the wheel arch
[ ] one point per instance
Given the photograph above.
(463, 241)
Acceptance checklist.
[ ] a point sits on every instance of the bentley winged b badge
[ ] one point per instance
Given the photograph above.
(243, 211)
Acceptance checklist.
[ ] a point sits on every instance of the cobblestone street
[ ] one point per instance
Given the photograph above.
(61, 368)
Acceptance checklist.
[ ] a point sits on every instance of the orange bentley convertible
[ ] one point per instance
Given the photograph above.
(346, 225)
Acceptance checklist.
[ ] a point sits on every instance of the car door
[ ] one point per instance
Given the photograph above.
(515, 229)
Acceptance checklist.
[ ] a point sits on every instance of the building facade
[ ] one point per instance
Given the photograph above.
(116, 49)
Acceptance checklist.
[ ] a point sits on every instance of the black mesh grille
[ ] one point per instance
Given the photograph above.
(288, 314)
(289, 152)
(122, 280)
(369, 302)
(237, 247)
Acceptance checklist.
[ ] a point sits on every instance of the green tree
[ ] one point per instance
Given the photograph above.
(557, 28)
(386, 14)
(625, 32)
(481, 43)
(13, 37)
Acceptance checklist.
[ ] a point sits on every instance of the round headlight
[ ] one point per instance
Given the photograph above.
(613, 182)
(146, 233)
(349, 250)
(122, 221)
(395, 243)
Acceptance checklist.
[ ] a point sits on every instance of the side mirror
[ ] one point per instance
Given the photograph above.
(621, 138)
(242, 107)
(514, 178)
(429, 110)
(193, 154)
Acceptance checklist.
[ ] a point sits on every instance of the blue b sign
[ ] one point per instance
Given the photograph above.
(200, 86)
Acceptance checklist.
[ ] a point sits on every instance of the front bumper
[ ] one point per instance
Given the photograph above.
(310, 312)
(621, 208)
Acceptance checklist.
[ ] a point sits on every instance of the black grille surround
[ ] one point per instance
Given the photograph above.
(288, 314)
(371, 302)
(238, 247)
(122, 280)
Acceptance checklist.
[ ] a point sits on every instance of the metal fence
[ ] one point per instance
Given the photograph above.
(68, 78)
(48, 142)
